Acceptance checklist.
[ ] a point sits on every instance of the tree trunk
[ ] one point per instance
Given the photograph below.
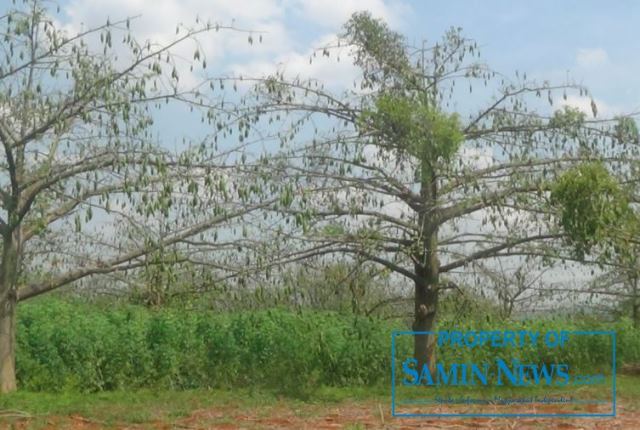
(426, 305)
(8, 300)
(8, 344)
(427, 270)
(426, 300)
(635, 304)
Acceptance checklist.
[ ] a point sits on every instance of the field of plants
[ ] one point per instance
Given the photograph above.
(87, 364)
(86, 347)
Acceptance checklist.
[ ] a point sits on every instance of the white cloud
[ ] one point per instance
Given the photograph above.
(161, 16)
(279, 50)
(605, 110)
(156, 21)
(335, 71)
(592, 57)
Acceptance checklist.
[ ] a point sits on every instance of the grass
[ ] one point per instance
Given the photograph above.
(148, 406)
(132, 406)
(629, 391)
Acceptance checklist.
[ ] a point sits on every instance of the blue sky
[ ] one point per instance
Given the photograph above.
(590, 42)
(595, 42)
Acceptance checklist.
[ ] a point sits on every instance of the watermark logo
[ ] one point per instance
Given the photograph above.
(509, 373)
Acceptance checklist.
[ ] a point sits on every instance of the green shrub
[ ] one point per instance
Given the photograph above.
(77, 346)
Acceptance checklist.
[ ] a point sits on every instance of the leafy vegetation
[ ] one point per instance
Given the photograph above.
(595, 209)
(69, 346)
(414, 127)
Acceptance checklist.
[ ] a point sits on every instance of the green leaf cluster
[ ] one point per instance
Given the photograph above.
(568, 118)
(594, 209)
(409, 125)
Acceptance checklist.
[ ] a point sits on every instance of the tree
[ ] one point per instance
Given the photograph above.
(83, 177)
(391, 173)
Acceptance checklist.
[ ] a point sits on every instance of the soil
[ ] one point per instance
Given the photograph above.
(348, 416)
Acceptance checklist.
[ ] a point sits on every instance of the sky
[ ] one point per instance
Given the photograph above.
(586, 42)
(590, 42)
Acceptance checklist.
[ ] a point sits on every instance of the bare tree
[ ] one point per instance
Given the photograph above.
(391, 173)
(82, 172)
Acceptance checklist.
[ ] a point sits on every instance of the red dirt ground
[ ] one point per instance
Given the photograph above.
(350, 416)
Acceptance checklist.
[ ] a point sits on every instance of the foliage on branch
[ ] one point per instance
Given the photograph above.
(594, 209)
(568, 118)
(380, 52)
(411, 126)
